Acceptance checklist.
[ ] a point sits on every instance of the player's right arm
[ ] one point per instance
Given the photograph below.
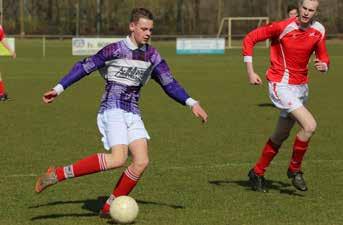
(80, 70)
(257, 35)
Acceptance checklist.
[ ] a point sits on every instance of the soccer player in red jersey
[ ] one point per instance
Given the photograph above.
(293, 42)
(3, 94)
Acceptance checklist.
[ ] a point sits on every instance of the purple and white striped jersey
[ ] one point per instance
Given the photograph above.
(126, 68)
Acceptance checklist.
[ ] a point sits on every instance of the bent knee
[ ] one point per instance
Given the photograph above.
(140, 165)
(310, 128)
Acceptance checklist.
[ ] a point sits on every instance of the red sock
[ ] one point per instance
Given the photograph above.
(299, 150)
(88, 165)
(268, 153)
(126, 183)
(124, 186)
(2, 88)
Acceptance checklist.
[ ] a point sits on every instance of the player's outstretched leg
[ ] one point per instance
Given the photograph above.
(91, 164)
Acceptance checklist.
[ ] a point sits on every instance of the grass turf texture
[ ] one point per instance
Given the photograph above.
(197, 174)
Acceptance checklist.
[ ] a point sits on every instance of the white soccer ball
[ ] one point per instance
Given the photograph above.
(124, 209)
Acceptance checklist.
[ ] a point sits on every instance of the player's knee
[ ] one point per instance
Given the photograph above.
(140, 165)
(310, 128)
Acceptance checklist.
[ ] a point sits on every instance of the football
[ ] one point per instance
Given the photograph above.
(124, 209)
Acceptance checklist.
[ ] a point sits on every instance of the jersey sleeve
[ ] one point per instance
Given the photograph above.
(321, 52)
(163, 76)
(2, 33)
(268, 31)
(89, 64)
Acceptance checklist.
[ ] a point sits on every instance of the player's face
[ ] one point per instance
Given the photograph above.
(141, 31)
(293, 13)
(307, 11)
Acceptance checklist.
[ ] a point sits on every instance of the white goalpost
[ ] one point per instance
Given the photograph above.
(230, 20)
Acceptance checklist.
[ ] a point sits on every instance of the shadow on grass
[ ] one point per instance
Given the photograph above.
(92, 205)
(266, 105)
(280, 186)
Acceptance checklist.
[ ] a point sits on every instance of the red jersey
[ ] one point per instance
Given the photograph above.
(2, 33)
(290, 50)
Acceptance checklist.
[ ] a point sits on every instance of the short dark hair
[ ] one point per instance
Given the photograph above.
(291, 7)
(138, 13)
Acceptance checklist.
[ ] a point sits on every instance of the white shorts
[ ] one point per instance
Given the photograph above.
(288, 97)
(120, 127)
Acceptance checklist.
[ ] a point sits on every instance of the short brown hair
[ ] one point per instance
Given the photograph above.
(291, 7)
(138, 13)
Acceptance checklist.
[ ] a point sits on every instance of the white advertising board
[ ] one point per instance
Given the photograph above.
(200, 46)
(90, 46)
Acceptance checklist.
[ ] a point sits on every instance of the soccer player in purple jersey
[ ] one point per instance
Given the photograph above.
(126, 66)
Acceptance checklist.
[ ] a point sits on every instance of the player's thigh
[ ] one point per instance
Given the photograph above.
(305, 119)
(113, 128)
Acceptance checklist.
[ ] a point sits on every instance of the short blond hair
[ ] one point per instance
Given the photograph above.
(301, 2)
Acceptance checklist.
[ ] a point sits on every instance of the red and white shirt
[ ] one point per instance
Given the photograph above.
(290, 50)
(2, 33)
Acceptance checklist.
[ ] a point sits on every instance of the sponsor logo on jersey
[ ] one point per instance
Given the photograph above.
(131, 73)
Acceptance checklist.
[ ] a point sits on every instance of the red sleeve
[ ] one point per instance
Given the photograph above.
(260, 34)
(2, 33)
(321, 52)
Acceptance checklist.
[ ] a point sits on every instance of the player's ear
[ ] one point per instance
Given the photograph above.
(132, 26)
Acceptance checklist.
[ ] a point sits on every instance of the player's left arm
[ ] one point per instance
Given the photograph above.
(322, 60)
(163, 76)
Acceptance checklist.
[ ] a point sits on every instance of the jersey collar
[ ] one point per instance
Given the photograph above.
(132, 46)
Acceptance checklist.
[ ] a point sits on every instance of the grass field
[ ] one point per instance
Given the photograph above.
(198, 173)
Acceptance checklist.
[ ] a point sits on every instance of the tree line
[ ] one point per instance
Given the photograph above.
(172, 17)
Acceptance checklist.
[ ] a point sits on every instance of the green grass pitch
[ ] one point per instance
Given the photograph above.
(197, 174)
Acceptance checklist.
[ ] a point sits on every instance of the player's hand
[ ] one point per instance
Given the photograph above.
(49, 96)
(320, 66)
(254, 79)
(199, 112)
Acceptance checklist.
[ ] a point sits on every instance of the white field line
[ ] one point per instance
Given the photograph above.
(230, 164)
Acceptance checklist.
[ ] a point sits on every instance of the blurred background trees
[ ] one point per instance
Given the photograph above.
(173, 17)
